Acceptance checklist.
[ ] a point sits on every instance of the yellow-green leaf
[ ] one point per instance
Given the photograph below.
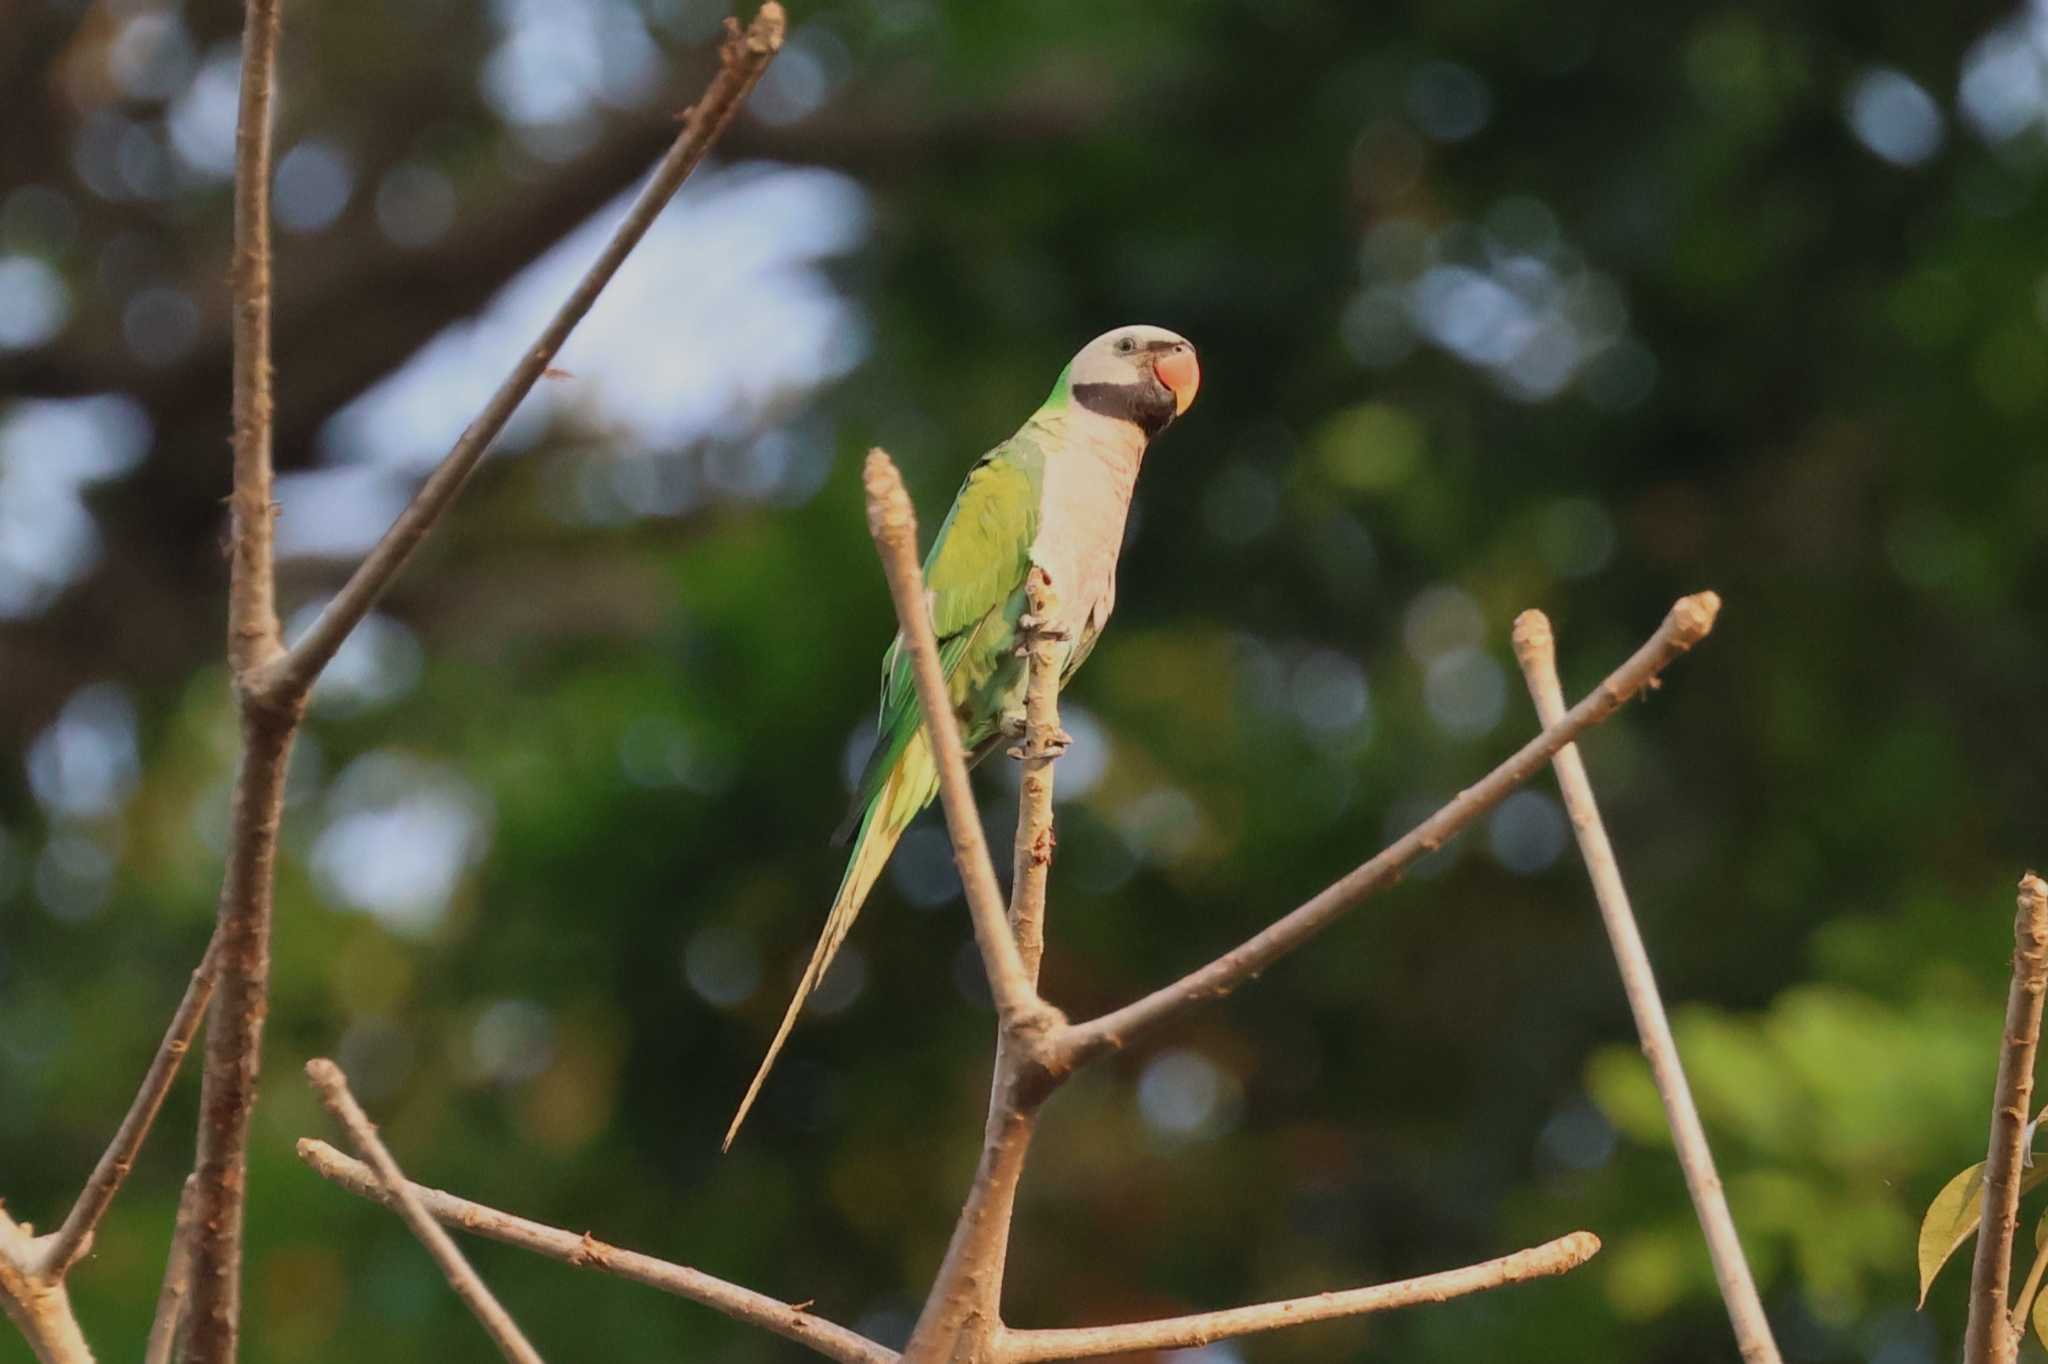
(1951, 1220)
(1953, 1216)
(2040, 1312)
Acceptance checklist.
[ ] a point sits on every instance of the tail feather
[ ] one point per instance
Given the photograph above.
(909, 789)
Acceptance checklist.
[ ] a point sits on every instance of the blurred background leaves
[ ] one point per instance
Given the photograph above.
(1579, 307)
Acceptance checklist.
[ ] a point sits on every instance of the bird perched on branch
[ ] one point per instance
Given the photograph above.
(1054, 497)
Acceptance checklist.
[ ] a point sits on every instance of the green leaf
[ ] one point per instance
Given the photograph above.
(1951, 1220)
(1953, 1216)
(2040, 1309)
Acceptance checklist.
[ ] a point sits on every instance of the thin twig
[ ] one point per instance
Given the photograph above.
(242, 941)
(1555, 1257)
(1537, 651)
(587, 1252)
(1991, 1337)
(745, 57)
(1686, 625)
(170, 1301)
(966, 1296)
(74, 1237)
(39, 1308)
(893, 524)
(332, 1086)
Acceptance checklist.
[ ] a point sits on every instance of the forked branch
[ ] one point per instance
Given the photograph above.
(74, 1237)
(745, 56)
(1564, 1254)
(1537, 651)
(241, 950)
(39, 1307)
(963, 1309)
(332, 1086)
(961, 1317)
(1687, 624)
(272, 685)
(587, 1252)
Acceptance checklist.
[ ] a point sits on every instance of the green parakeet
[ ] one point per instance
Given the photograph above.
(1053, 496)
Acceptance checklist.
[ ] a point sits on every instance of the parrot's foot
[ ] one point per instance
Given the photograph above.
(1033, 627)
(1055, 743)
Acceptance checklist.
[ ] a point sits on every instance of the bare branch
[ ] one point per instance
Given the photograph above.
(745, 57)
(273, 686)
(39, 1307)
(170, 1301)
(1552, 1258)
(1536, 650)
(234, 1037)
(73, 1238)
(241, 950)
(966, 1296)
(893, 524)
(962, 1312)
(586, 1251)
(1041, 745)
(1687, 624)
(252, 585)
(332, 1086)
(1992, 1337)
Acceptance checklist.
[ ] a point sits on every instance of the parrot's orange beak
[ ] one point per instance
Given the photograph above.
(1179, 371)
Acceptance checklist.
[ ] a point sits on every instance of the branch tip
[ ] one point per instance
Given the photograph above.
(1692, 618)
(765, 34)
(1547, 1260)
(891, 518)
(1532, 637)
(332, 1087)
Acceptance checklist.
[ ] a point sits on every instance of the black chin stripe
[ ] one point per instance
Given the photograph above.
(1148, 406)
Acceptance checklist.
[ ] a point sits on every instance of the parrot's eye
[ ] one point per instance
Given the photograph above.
(1125, 345)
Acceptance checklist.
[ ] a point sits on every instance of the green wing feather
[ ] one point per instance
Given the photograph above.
(974, 580)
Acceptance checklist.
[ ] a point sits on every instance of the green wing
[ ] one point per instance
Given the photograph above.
(974, 580)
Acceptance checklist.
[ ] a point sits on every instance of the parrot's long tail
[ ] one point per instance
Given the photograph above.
(909, 788)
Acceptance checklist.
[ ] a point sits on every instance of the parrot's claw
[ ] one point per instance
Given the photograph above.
(1031, 626)
(1055, 744)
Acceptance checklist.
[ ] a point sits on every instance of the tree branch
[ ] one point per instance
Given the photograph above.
(39, 1307)
(273, 685)
(1991, 1337)
(1042, 743)
(74, 1237)
(242, 940)
(1552, 1258)
(170, 1301)
(963, 1310)
(585, 1251)
(1537, 652)
(745, 57)
(893, 524)
(1687, 624)
(332, 1086)
(252, 587)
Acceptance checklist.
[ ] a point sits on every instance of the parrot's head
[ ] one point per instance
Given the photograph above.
(1146, 375)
